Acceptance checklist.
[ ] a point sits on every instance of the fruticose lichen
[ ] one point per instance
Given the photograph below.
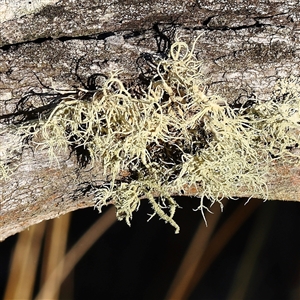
(173, 137)
(9, 152)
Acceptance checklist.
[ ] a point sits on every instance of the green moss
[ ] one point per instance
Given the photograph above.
(173, 137)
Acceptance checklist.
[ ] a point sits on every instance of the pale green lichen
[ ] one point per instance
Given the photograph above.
(173, 137)
(5, 171)
(10, 147)
(278, 119)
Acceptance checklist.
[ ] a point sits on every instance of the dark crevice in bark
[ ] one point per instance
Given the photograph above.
(259, 22)
(133, 34)
(101, 36)
(206, 21)
(235, 28)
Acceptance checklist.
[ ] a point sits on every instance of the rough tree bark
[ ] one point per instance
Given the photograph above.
(246, 47)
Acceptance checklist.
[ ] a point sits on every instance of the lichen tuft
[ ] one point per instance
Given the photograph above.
(173, 137)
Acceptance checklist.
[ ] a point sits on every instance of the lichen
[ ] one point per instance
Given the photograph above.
(172, 137)
(10, 147)
(278, 119)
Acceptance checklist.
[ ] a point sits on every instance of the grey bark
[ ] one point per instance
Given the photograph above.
(245, 47)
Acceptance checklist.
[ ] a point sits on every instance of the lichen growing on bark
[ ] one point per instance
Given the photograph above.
(172, 137)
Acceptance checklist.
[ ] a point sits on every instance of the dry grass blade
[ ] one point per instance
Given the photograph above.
(55, 246)
(66, 265)
(221, 238)
(180, 285)
(24, 263)
(241, 282)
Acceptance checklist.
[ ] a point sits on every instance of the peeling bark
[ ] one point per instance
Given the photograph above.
(245, 47)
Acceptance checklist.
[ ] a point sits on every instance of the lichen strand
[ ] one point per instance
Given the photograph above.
(278, 119)
(173, 137)
(5, 171)
(10, 149)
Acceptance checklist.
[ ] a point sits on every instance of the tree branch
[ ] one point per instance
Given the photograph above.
(245, 49)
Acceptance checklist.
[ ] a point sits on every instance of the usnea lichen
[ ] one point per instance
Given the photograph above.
(10, 148)
(278, 120)
(173, 137)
